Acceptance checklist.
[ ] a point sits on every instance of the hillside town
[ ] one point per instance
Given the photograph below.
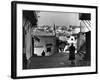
(48, 46)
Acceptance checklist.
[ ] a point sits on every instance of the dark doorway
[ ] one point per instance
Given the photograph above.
(48, 49)
(32, 46)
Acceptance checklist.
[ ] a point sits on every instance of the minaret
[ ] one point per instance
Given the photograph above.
(54, 28)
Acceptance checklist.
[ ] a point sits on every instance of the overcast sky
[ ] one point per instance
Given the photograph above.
(58, 18)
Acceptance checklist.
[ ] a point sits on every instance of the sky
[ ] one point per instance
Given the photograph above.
(58, 18)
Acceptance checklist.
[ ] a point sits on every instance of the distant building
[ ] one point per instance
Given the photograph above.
(46, 42)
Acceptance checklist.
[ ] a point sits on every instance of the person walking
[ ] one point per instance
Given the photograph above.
(72, 54)
(43, 53)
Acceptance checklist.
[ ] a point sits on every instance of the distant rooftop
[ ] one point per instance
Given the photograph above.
(43, 33)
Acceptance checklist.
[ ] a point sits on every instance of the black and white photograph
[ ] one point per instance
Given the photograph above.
(56, 39)
(53, 39)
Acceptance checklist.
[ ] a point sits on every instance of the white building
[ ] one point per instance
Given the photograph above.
(46, 42)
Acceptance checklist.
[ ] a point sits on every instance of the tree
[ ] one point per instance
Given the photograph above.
(30, 16)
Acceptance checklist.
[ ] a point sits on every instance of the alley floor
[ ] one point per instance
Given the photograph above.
(55, 61)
